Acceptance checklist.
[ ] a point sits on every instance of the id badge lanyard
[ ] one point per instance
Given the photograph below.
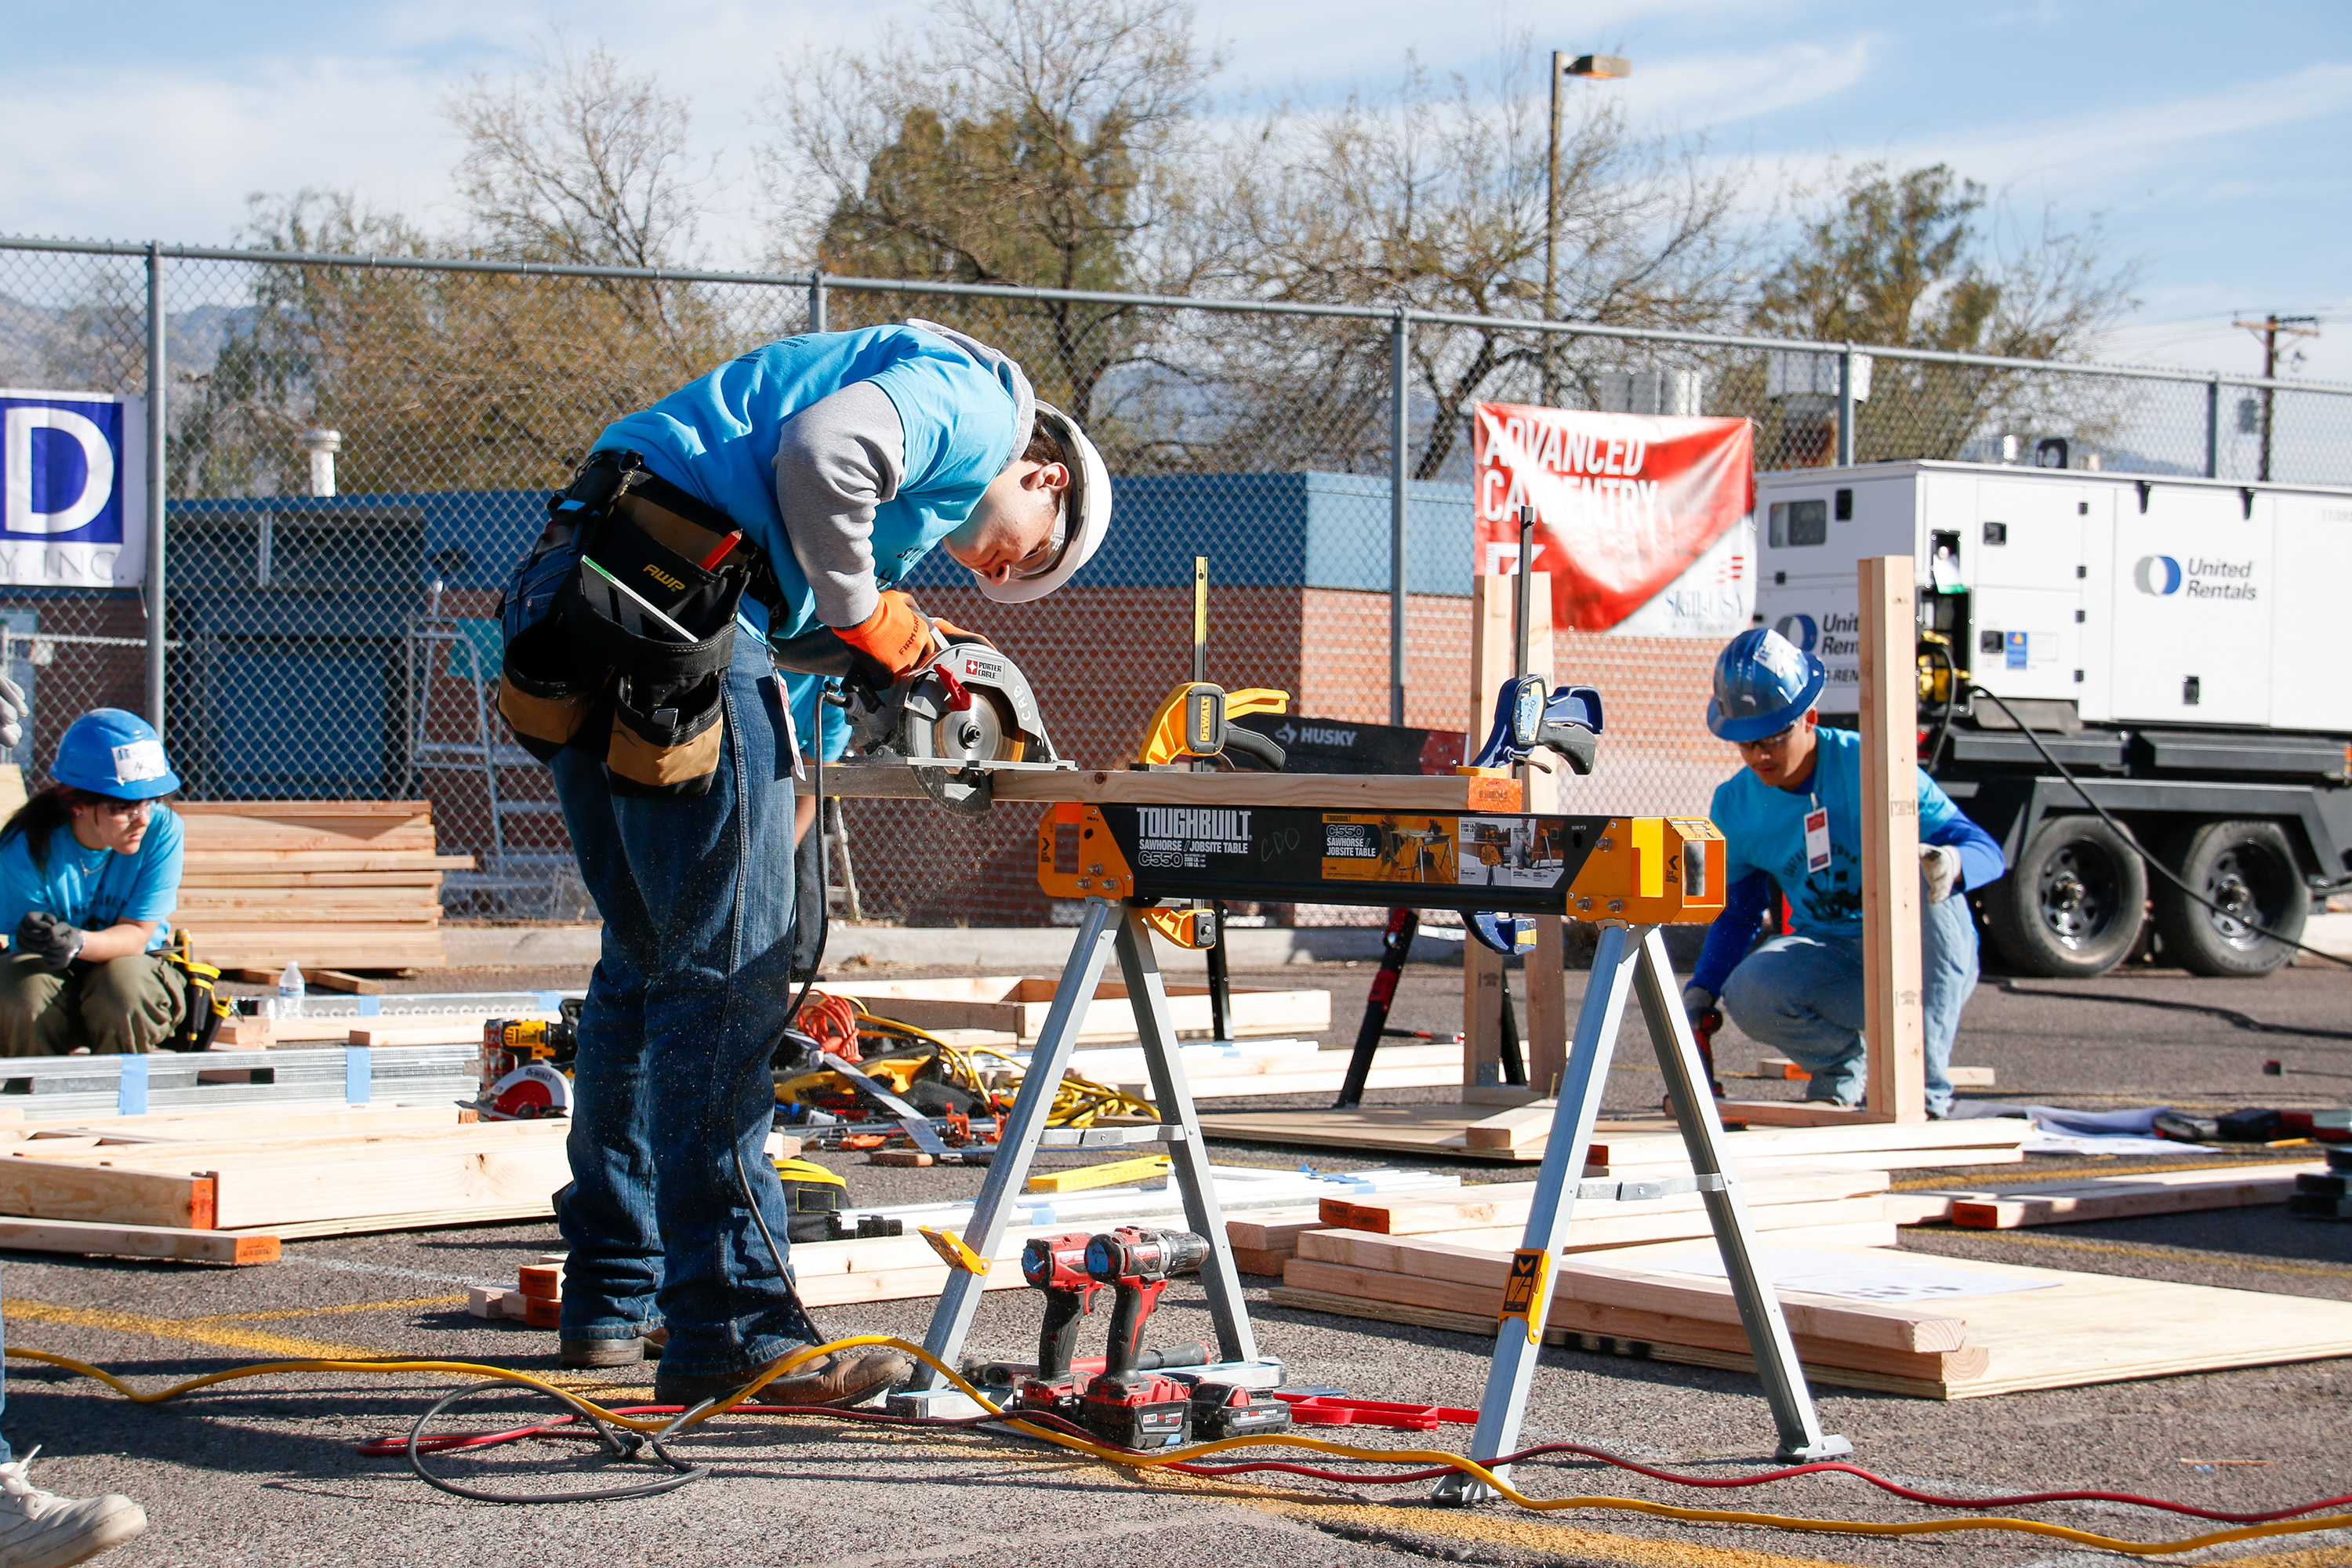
(1817, 837)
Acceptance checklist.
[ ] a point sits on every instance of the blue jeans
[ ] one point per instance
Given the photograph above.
(671, 1085)
(1804, 996)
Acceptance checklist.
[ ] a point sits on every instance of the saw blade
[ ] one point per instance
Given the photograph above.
(983, 733)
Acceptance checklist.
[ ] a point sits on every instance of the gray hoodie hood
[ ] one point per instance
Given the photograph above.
(1004, 367)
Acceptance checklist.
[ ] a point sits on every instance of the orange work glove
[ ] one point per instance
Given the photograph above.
(949, 632)
(895, 637)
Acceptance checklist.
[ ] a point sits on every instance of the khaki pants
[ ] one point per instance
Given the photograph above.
(123, 1005)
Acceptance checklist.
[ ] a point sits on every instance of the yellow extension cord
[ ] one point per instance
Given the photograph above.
(1148, 1461)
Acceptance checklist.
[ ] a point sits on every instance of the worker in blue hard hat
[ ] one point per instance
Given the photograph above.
(89, 874)
(1793, 820)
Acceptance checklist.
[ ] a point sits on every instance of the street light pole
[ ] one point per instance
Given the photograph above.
(1594, 65)
(1551, 226)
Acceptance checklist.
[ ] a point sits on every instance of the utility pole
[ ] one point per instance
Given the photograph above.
(2269, 328)
(1596, 66)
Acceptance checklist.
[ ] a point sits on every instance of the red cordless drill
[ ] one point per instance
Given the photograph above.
(1127, 1406)
(1058, 1266)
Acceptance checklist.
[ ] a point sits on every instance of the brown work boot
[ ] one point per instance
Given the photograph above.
(585, 1353)
(845, 1377)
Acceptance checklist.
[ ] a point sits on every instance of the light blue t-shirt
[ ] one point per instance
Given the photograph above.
(96, 889)
(717, 440)
(1766, 829)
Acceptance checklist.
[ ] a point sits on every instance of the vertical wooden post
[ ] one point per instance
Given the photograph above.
(1543, 1026)
(1893, 1026)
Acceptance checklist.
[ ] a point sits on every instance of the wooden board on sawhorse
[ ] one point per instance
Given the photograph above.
(1633, 959)
(1488, 1075)
(1107, 927)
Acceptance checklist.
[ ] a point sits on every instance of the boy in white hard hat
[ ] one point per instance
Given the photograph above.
(838, 460)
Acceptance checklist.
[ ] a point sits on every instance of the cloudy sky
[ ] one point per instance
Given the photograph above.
(2215, 143)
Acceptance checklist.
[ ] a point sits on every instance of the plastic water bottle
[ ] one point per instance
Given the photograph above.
(289, 990)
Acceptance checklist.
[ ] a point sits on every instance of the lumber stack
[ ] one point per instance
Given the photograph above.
(536, 1299)
(327, 884)
(1965, 1329)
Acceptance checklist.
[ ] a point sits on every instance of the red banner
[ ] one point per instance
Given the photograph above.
(1625, 503)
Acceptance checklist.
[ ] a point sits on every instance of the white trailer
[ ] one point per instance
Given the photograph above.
(2176, 643)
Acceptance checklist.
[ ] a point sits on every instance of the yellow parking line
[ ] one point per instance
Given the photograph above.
(277, 1347)
(411, 1304)
(1528, 1534)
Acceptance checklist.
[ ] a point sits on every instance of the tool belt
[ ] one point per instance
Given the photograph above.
(620, 626)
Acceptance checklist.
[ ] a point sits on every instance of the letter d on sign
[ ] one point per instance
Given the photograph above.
(16, 513)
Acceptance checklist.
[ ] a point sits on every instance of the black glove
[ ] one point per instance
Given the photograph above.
(58, 944)
(1698, 1002)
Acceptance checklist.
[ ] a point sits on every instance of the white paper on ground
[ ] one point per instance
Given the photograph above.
(1889, 1279)
(2049, 1141)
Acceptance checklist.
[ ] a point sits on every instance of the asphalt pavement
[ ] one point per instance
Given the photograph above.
(264, 1471)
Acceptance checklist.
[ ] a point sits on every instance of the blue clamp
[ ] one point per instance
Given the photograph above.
(1566, 721)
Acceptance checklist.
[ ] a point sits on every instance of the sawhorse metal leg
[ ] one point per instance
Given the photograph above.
(1627, 961)
(1107, 928)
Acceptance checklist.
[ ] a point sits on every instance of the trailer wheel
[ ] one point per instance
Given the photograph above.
(2247, 867)
(2071, 906)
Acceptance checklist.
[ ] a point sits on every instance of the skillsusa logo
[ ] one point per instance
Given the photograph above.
(2157, 575)
(1802, 630)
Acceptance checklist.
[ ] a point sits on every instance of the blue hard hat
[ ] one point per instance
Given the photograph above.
(108, 751)
(1763, 684)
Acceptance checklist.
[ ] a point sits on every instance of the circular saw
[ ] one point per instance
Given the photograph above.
(966, 714)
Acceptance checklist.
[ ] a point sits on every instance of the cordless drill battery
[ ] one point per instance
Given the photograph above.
(1228, 1410)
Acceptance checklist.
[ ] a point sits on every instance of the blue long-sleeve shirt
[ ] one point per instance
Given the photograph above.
(1765, 827)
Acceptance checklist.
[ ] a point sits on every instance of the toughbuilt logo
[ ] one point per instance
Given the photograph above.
(2162, 576)
(1197, 828)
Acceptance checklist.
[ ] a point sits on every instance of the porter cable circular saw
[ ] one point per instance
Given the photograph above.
(965, 715)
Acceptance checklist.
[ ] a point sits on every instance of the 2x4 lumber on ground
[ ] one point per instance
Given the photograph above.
(485, 1167)
(1439, 1129)
(2122, 1196)
(136, 1241)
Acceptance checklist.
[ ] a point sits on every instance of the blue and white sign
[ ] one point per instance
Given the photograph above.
(73, 483)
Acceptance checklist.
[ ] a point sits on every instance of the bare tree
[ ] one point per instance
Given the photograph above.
(579, 161)
(1905, 259)
(1042, 142)
(1434, 197)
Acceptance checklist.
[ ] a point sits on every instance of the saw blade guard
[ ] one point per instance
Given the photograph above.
(971, 705)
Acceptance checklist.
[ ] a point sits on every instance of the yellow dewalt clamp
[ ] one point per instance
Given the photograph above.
(1193, 727)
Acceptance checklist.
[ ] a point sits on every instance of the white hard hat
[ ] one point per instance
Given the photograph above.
(1085, 515)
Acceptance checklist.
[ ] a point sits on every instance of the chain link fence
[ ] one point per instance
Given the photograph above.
(331, 600)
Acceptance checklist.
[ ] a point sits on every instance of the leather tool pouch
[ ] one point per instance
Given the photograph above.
(631, 649)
